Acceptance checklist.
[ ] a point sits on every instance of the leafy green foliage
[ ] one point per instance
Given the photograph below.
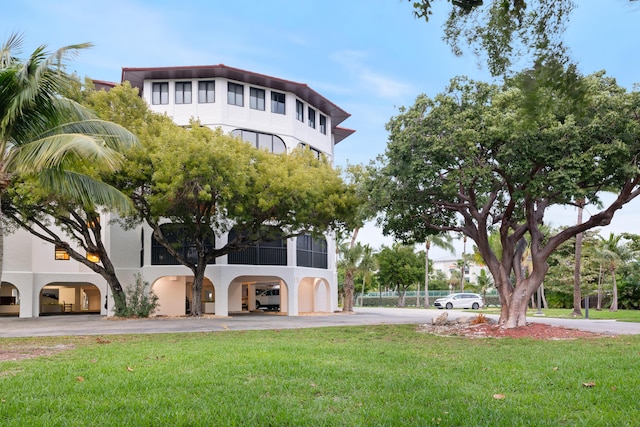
(400, 267)
(141, 301)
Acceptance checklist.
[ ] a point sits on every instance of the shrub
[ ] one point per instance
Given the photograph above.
(629, 296)
(140, 302)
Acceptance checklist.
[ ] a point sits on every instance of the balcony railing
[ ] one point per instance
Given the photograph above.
(259, 256)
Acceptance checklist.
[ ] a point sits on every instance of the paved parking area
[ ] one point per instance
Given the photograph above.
(100, 325)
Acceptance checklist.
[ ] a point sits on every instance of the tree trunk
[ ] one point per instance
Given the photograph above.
(599, 303)
(348, 291)
(517, 311)
(196, 288)
(349, 286)
(4, 183)
(401, 293)
(577, 297)
(362, 297)
(426, 275)
(544, 298)
(614, 302)
(1, 241)
(514, 304)
(108, 271)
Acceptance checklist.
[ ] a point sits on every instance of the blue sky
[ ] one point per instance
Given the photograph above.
(370, 57)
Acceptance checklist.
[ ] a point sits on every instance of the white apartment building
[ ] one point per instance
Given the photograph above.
(471, 272)
(271, 113)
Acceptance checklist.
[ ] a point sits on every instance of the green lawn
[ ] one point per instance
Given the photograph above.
(358, 376)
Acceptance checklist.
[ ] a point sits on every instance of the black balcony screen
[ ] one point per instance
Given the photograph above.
(175, 233)
(311, 252)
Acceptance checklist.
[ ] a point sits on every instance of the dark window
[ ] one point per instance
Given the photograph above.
(299, 110)
(277, 102)
(323, 124)
(160, 93)
(235, 94)
(311, 252)
(312, 117)
(206, 92)
(183, 92)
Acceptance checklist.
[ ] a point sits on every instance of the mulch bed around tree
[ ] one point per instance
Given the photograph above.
(538, 331)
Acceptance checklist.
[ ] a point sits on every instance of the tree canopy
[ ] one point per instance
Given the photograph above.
(478, 158)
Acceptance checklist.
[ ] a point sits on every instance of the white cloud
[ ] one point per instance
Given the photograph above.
(382, 86)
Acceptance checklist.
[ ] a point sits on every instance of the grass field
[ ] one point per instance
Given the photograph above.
(358, 376)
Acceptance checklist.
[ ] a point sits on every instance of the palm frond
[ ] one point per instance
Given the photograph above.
(35, 84)
(11, 47)
(62, 151)
(85, 190)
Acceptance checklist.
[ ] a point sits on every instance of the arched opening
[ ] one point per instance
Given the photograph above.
(258, 294)
(9, 300)
(175, 296)
(314, 295)
(69, 298)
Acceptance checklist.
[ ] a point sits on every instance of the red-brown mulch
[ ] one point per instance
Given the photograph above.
(538, 331)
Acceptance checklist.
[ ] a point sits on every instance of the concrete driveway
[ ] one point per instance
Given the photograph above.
(99, 325)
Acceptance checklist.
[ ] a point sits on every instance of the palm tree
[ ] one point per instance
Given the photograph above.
(366, 266)
(484, 283)
(350, 257)
(613, 253)
(47, 136)
(442, 241)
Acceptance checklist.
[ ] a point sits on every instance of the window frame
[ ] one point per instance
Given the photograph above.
(255, 96)
(256, 139)
(278, 102)
(311, 117)
(184, 95)
(203, 94)
(323, 124)
(299, 111)
(161, 86)
(235, 96)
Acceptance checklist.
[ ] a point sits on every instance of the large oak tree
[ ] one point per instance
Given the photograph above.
(481, 157)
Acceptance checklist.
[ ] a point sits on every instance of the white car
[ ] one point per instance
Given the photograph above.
(461, 300)
(268, 299)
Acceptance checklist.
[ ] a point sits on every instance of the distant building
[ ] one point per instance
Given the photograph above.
(449, 265)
